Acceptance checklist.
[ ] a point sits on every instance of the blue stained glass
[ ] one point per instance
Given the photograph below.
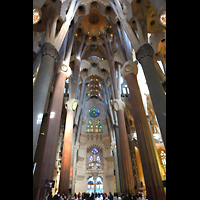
(91, 159)
(98, 159)
(94, 151)
(94, 112)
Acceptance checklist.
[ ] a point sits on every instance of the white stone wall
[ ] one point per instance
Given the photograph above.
(101, 141)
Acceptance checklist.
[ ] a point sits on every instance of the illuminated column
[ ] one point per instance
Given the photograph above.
(116, 130)
(139, 167)
(124, 146)
(119, 80)
(48, 156)
(114, 148)
(145, 56)
(125, 152)
(67, 145)
(152, 175)
(76, 145)
(41, 88)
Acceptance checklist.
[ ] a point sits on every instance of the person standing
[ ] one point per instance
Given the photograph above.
(111, 196)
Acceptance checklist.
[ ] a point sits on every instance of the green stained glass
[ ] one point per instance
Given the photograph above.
(93, 112)
(100, 128)
(88, 128)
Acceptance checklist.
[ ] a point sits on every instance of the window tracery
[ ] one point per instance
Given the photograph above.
(93, 112)
(97, 128)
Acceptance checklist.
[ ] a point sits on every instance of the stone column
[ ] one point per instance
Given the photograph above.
(152, 176)
(125, 152)
(48, 156)
(41, 88)
(124, 146)
(67, 145)
(145, 56)
(116, 130)
(119, 80)
(114, 148)
(121, 176)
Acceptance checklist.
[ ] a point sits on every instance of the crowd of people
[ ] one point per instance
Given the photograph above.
(95, 196)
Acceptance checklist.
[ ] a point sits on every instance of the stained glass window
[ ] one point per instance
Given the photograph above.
(98, 121)
(100, 128)
(91, 159)
(94, 112)
(88, 128)
(98, 159)
(94, 151)
(91, 128)
(96, 129)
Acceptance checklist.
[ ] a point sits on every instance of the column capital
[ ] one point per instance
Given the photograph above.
(49, 49)
(129, 67)
(118, 104)
(71, 104)
(143, 51)
(65, 68)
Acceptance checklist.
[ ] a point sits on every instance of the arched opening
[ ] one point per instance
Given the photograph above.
(94, 186)
(90, 185)
(99, 185)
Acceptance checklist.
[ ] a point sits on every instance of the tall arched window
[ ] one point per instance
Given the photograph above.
(98, 127)
(89, 126)
(94, 160)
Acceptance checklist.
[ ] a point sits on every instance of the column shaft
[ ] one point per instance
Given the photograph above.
(125, 154)
(48, 155)
(121, 176)
(124, 146)
(66, 153)
(41, 88)
(145, 57)
(152, 176)
(67, 145)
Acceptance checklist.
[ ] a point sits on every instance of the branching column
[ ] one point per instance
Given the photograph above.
(144, 54)
(152, 175)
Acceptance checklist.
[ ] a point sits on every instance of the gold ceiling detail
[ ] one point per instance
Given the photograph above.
(93, 23)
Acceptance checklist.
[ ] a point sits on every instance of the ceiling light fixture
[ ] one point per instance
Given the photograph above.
(36, 15)
(162, 17)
